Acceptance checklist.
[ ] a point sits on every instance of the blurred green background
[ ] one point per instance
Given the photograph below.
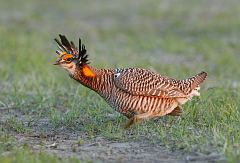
(188, 36)
(176, 38)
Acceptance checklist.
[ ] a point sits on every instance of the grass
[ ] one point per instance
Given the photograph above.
(175, 39)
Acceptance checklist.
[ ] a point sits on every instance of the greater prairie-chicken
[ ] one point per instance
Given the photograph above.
(136, 93)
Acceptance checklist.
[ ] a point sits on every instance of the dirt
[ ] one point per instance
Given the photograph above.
(65, 144)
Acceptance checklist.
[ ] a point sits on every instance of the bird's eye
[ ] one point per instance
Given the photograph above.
(69, 60)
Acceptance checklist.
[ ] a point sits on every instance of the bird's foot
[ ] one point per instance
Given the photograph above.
(132, 121)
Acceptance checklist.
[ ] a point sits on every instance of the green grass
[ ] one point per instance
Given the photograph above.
(177, 39)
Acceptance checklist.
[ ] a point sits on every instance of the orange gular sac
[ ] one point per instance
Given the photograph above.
(88, 72)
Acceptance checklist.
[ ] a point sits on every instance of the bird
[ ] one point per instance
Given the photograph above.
(138, 94)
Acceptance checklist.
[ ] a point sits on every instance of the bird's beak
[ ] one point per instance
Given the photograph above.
(57, 62)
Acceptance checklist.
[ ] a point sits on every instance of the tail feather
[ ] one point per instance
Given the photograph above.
(198, 79)
(191, 87)
(193, 83)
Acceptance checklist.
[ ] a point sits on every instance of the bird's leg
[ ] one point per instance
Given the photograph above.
(180, 111)
(176, 112)
(129, 114)
(130, 122)
(137, 118)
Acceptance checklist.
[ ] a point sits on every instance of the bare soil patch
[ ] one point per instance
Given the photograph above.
(65, 143)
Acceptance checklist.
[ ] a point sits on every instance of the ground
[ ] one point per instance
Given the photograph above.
(46, 116)
(66, 143)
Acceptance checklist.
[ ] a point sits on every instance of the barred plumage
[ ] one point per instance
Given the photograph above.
(136, 93)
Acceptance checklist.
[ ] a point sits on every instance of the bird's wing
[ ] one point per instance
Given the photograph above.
(144, 82)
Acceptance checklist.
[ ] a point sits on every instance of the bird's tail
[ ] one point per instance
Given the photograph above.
(198, 79)
(193, 83)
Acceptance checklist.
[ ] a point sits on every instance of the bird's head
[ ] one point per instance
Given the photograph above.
(71, 57)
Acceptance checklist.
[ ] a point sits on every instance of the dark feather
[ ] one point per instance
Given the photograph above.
(58, 52)
(82, 54)
(73, 45)
(70, 47)
(60, 45)
(65, 42)
(79, 46)
(74, 48)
